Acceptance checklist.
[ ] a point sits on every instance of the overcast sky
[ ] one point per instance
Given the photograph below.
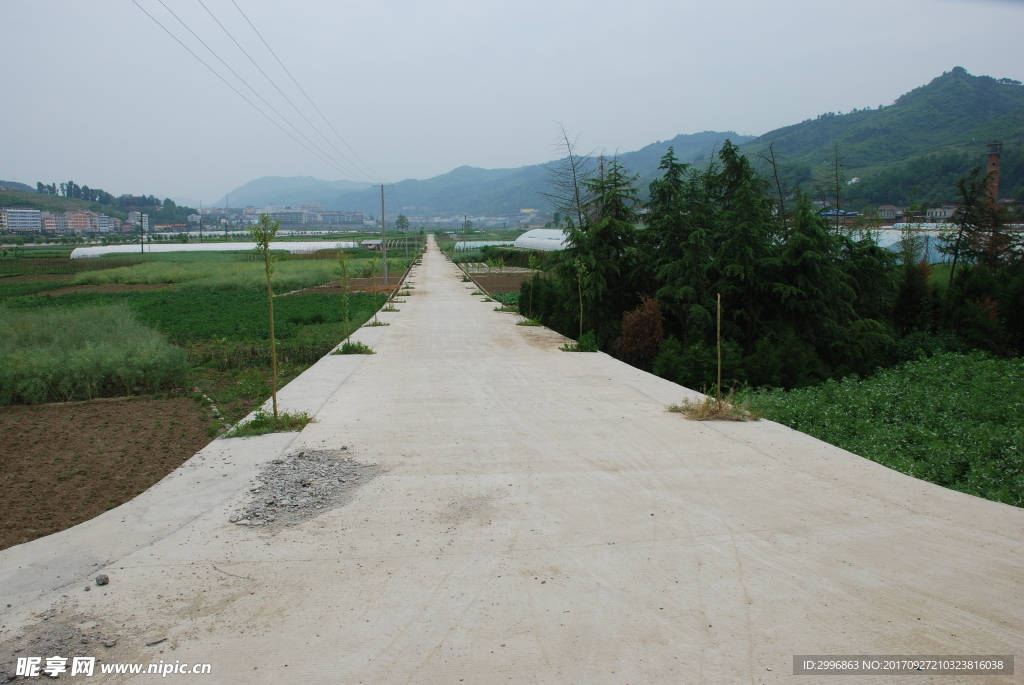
(98, 93)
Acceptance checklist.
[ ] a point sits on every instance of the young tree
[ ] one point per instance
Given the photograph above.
(402, 225)
(263, 233)
(343, 264)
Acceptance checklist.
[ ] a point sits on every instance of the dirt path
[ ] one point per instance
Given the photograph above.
(536, 516)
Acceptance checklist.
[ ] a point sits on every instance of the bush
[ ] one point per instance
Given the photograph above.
(60, 355)
(697, 366)
(642, 335)
(586, 343)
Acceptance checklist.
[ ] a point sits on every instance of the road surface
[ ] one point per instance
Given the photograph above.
(537, 517)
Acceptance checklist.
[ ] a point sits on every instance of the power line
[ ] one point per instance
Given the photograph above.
(239, 93)
(355, 168)
(374, 173)
(294, 128)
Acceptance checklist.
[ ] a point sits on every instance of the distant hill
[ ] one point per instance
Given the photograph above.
(14, 185)
(465, 189)
(289, 191)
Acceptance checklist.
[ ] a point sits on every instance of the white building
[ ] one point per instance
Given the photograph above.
(19, 220)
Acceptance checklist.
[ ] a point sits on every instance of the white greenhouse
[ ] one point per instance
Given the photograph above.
(546, 239)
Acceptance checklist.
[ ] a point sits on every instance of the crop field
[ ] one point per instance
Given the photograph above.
(202, 334)
(954, 420)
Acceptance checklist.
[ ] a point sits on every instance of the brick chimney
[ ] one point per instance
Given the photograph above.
(995, 150)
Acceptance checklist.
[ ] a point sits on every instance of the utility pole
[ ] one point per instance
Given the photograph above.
(383, 235)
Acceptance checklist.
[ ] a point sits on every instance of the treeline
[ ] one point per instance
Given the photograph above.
(800, 301)
(160, 211)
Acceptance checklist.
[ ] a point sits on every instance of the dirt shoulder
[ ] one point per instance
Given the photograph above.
(62, 464)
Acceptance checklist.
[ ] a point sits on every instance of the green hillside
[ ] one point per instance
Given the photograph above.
(947, 109)
(55, 203)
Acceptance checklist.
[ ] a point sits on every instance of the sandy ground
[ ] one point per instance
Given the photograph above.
(536, 516)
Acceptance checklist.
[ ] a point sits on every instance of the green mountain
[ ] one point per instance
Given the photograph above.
(928, 138)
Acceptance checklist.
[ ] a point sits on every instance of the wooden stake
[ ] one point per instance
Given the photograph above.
(718, 388)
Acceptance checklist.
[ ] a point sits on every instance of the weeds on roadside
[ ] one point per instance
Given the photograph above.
(715, 409)
(263, 423)
(375, 323)
(478, 292)
(465, 279)
(529, 322)
(349, 347)
(390, 308)
(503, 308)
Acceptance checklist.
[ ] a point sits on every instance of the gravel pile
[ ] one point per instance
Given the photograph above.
(302, 485)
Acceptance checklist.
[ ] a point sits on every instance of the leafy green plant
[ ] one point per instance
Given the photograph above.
(529, 322)
(349, 347)
(263, 423)
(508, 299)
(954, 420)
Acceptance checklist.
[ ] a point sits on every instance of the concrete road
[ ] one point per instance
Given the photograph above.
(538, 518)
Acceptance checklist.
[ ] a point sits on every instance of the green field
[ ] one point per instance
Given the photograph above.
(954, 420)
(211, 320)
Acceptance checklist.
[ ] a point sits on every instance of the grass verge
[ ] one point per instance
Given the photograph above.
(263, 423)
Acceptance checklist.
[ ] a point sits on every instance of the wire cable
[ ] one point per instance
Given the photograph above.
(354, 166)
(374, 173)
(273, 109)
(238, 92)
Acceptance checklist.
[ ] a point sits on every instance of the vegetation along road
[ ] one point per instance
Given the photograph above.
(520, 513)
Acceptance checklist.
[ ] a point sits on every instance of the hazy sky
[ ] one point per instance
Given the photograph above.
(96, 92)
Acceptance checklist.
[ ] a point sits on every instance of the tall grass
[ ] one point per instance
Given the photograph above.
(59, 355)
(955, 420)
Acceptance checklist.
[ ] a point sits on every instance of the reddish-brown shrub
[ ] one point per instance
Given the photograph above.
(642, 334)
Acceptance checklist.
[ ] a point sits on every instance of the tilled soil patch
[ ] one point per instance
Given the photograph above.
(507, 283)
(109, 288)
(355, 285)
(36, 278)
(302, 485)
(62, 464)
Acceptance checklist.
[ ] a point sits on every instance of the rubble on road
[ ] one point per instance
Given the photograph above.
(302, 485)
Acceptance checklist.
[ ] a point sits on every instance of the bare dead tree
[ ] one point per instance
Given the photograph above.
(838, 178)
(568, 192)
(769, 157)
